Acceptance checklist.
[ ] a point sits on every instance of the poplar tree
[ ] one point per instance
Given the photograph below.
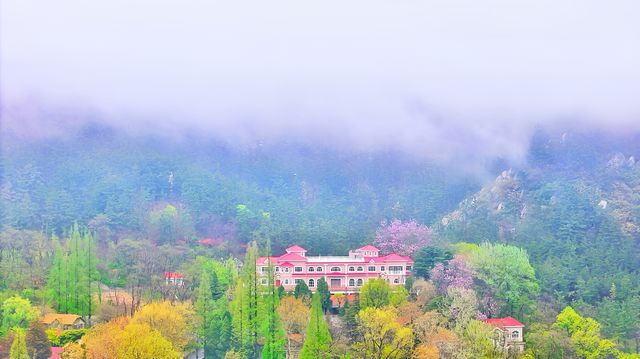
(317, 342)
(273, 331)
(204, 309)
(69, 285)
(57, 283)
(245, 306)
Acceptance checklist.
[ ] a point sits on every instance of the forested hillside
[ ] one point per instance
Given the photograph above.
(575, 208)
(298, 193)
(93, 222)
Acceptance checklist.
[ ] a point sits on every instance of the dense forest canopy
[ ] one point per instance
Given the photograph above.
(123, 209)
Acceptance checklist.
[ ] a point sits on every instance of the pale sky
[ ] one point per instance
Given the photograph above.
(429, 77)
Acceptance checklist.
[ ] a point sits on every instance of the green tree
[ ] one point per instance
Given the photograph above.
(506, 270)
(301, 290)
(585, 335)
(317, 342)
(204, 310)
(19, 346)
(57, 282)
(427, 257)
(272, 329)
(17, 312)
(375, 293)
(325, 295)
(245, 306)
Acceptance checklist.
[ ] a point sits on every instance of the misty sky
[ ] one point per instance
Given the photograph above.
(429, 77)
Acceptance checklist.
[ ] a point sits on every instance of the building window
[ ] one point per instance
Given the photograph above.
(408, 267)
(395, 269)
(286, 270)
(299, 281)
(515, 334)
(335, 269)
(312, 283)
(359, 282)
(396, 281)
(335, 282)
(311, 269)
(286, 282)
(360, 269)
(297, 269)
(319, 269)
(382, 269)
(263, 281)
(372, 268)
(352, 269)
(277, 269)
(263, 269)
(352, 283)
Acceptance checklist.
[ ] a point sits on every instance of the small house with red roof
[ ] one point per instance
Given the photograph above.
(344, 274)
(508, 333)
(174, 278)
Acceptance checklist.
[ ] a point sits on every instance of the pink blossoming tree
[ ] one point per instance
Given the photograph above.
(455, 274)
(403, 238)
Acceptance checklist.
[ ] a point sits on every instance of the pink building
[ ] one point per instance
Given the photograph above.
(344, 274)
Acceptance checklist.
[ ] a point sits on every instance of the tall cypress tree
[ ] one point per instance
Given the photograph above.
(204, 309)
(57, 283)
(245, 306)
(317, 342)
(69, 284)
(274, 336)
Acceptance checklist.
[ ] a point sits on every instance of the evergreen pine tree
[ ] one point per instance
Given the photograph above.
(317, 342)
(325, 295)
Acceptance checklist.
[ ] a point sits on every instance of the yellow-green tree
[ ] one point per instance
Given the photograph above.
(141, 341)
(382, 336)
(375, 293)
(584, 334)
(172, 321)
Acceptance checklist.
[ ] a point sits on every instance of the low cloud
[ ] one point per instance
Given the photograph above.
(451, 80)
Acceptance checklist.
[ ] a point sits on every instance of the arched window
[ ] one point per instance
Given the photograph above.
(352, 283)
(335, 269)
(319, 269)
(360, 269)
(515, 334)
(351, 269)
(359, 282)
(312, 283)
(396, 281)
(311, 269)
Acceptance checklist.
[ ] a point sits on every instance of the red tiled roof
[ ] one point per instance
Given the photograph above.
(291, 257)
(504, 322)
(208, 242)
(173, 275)
(349, 298)
(296, 248)
(55, 352)
(368, 248)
